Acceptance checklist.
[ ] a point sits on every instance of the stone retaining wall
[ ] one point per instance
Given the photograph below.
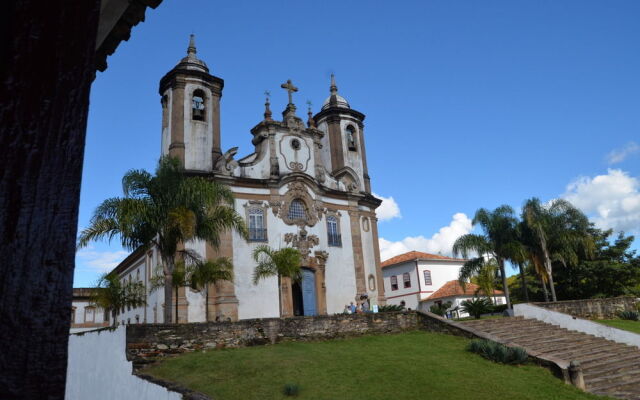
(592, 308)
(148, 342)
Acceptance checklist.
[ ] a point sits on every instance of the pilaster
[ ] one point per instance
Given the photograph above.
(358, 259)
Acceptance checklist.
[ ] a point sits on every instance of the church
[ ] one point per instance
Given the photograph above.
(305, 185)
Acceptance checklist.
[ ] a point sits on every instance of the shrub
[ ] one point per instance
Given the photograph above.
(291, 389)
(499, 308)
(440, 309)
(390, 307)
(629, 315)
(498, 352)
(476, 307)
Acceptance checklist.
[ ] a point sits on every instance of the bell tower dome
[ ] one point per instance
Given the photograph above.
(344, 129)
(191, 113)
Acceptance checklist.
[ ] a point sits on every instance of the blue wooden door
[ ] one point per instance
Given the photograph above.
(308, 292)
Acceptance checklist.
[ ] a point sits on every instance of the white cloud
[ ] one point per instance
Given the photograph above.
(619, 155)
(388, 209)
(440, 243)
(611, 200)
(99, 261)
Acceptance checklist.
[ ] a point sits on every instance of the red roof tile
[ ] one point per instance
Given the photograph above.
(416, 255)
(453, 288)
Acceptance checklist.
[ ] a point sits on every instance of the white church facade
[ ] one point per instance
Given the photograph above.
(306, 185)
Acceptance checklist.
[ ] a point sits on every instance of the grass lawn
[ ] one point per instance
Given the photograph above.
(414, 365)
(632, 326)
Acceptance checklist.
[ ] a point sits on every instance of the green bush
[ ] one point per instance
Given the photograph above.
(291, 389)
(629, 315)
(498, 352)
(499, 308)
(440, 309)
(390, 307)
(476, 307)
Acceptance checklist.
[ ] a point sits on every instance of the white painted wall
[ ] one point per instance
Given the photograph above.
(456, 301)
(408, 295)
(442, 271)
(98, 370)
(572, 323)
(198, 136)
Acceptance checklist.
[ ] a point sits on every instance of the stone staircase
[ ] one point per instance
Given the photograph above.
(609, 368)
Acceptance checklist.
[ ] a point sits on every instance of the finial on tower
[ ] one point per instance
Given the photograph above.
(267, 110)
(191, 50)
(311, 123)
(334, 88)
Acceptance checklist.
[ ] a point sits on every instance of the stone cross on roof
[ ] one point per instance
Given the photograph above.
(290, 89)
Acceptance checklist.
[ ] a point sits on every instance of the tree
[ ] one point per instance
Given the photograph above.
(180, 277)
(613, 271)
(477, 306)
(440, 309)
(165, 211)
(210, 272)
(556, 233)
(111, 294)
(499, 241)
(283, 263)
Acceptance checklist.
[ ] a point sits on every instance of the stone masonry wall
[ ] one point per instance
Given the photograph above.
(146, 343)
(592, 308)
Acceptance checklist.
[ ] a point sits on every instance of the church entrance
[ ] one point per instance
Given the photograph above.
(308, 292)
(303, 294)
(296, 294)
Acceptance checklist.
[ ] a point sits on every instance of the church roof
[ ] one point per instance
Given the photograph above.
(416, 255)
(453, 288)
(192, 62)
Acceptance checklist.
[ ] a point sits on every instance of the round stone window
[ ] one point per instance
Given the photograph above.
(295, 144)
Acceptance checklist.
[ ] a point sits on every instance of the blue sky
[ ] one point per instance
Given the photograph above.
(469, 104)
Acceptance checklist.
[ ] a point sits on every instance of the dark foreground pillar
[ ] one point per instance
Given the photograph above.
(46, 68)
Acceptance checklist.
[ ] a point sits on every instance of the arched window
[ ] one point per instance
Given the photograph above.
(351, 138)
(427, 277)
(198, 106)
(297, 210)
(257, 230)
(333, 231)
(406, 278)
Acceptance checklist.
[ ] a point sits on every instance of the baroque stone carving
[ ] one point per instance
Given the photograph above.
(226, 164)
(302, 241)
(297, 190)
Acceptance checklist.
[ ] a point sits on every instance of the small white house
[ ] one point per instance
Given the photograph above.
(84, 315)
(414, 276)
(453, 292)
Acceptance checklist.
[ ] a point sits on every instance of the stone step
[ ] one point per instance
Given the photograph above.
(614, 382)
(612, 368)
(513, 330)
(531, 340)
(603, 362)
(578, 352)
(603, 356)
(567, 345)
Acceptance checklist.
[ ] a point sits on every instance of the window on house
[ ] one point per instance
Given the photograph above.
(73, 315)
(427, 278)
(335, 239)
(257, 230)
(105, 315)
(406, 278)
(499, 300)
(297, 210)
(394, 283)
(351, 138)
(89, 314)
(138, 276)
(197, 106)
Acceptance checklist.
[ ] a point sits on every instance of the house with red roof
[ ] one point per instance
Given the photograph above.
(456, 294)
(414, 276)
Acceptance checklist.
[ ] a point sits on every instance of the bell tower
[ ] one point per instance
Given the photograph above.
(344, 130)
(191, 113)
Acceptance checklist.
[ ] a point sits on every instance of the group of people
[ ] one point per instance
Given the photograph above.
(363, 306)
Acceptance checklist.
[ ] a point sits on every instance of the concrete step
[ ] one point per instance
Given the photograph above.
(566, 346)
(612, 368)
(615, 358)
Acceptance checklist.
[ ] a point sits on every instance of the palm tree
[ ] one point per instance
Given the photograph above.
(111, 294)
(283, 263)
(180, 277)
(557, 233)
(165, 211)
(480, 269)
(498, 241)
(210, 272)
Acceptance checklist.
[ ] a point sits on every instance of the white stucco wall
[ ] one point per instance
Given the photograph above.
(572, 323)
(441, 273)
(198, 136)
(408, 295)
(98, 370)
